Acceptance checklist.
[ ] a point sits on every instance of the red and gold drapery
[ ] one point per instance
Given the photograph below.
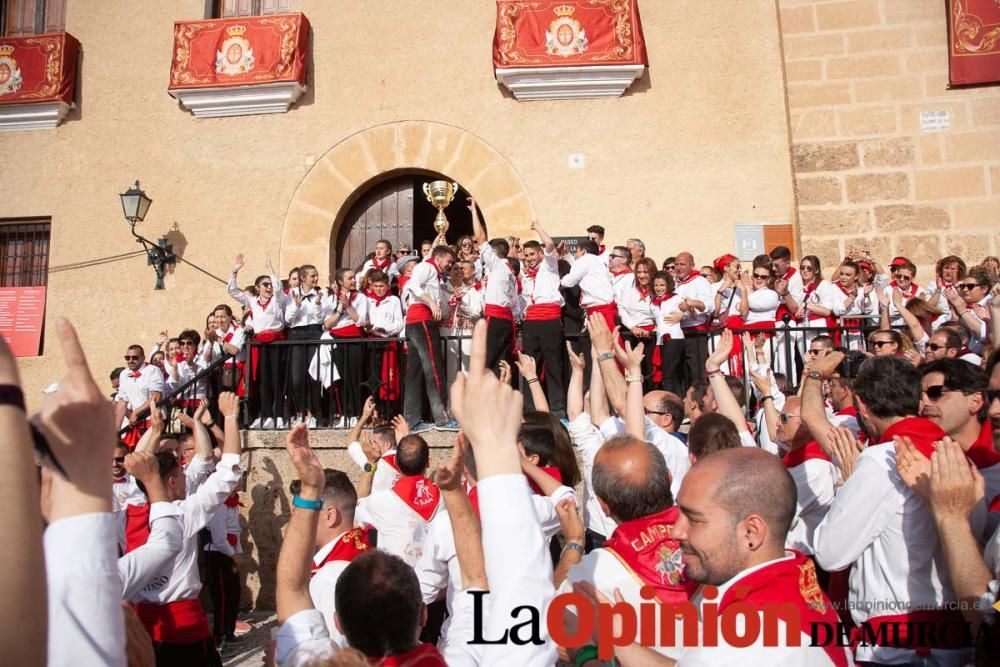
(239, 51)
(973, 42)
(543, 33)
(38, 68)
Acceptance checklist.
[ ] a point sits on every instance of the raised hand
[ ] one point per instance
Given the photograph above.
(629, 357)
(305, 461)
(762, 382)
(600, 335)
(229, 404)
(576, 361)
(505, 374)
(368, 410)
(238, 263)
(526, 365)
(400, 427)
(846, 450)
(721, 352)
(449, 474)
(142, 465)
(827, 366)
(489, 412)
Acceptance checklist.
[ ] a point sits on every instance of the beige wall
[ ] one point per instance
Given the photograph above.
(859, 74)
(698, 144)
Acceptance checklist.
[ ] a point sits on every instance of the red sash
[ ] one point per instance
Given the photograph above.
(419, 493)
(543, 311)
(982, 452)
(922, 432)
(609, 311)
(134, 433)
(262, 337)
(389, 375)
(785, 583)
(501, 312)
(646, 549)
(425, 655)
(136, 526)
(807, 452)
(233, 539)
(350, 331)
(418, 312)
(177, 622)
(349, 546)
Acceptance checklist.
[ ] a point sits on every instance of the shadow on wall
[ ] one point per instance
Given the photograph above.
(268, 515)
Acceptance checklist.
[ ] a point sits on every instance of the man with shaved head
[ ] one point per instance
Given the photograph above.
(696, 292)
(632, 485)
(736, 507)
(813, 471)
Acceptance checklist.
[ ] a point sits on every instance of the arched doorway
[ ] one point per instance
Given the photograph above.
(336, 182)
(397, 210)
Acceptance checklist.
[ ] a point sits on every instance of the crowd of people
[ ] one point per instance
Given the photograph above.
(726, 466)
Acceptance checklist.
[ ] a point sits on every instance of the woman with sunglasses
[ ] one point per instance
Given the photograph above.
(903, 272)
(853, 304)
(816, 311)
(971, 304)
(304, 314)
(759, 306)
(267, 362)
(948, 271)
(638, 315)
(467, 252)
(346, 312)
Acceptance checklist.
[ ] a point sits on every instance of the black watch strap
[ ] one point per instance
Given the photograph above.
(11, 394)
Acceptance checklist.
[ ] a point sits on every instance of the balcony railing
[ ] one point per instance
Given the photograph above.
(239, 66)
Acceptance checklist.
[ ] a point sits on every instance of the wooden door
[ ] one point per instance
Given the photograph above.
(384, 212)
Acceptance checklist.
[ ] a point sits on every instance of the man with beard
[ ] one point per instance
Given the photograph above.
(138, 385)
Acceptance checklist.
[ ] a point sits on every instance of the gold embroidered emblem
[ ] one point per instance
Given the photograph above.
(809, 587)
(565, 36)
(235, 56)
(10, 73)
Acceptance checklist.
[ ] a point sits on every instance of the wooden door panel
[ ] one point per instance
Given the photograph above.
(384, 212)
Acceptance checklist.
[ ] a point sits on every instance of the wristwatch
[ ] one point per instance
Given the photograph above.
(573, 546)
(606, 356)
(370, 467)
(815, 375)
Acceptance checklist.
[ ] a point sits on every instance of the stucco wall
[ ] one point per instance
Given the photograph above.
(699, 143)
(860, 72)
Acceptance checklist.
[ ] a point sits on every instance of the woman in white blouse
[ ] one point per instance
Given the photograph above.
(346, 311)
(759, 303)
(638, 314)
(304, 315)
(816, 311)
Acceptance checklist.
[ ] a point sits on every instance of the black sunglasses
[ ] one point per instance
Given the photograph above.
(968, 285)
(934, 393)
(934, 347)
(785, 417)
(820, 351)
(132, 357)
(761, 276)
(879, 343)
(119, 459)
(267, 285)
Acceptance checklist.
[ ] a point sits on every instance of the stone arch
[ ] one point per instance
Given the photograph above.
(334, 183)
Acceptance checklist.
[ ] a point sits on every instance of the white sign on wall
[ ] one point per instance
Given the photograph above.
(935, 121)
(749, 241)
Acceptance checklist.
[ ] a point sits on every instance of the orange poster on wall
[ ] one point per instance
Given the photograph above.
(542, 33)
(973, 42)
(22, 316)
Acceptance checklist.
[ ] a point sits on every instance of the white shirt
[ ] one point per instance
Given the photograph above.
(815, 480)
(544, 286)
(186, 371)
(309, 311)
(696, 289)
(386, 317)
(763, 305)
(887, 532)
(663, 328)
(237, 336)
(85, 622)
(591, 274)
(134, 387)
(729, 301)
(587, 439)
(180, 579)
(425, 279)
(501, 284)
(401, 531)
(464, 312)
(225, 522)
(859, 305)
(782, 655)
(332, 307)
(138, 567)
(824, 295)
(266, 315)
(390, 271)
(795, 287)
(323, 588)
(622, 281)
(895, 318)
(634, 309)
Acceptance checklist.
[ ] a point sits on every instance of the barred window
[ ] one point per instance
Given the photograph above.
(230, 8)
(32, 17)
(24, 252)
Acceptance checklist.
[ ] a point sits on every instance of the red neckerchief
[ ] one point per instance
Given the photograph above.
(430, 260)
(790, 588)
(121, 480)
(922, 432)
(643, 293)
(811, 450)
(419, 493)
(377, 299)
(425, 655)
(136, 374)
(982, 452)
(811, 287)
(657, 300)
(233, 500)
(849, 411)
(788, 274)
(910, 293)
(531, 273)
(349, 546)
(647, 550)
(853, 294)
(601, 249)
(551, 471)
(688, 278)
(391, 460)
(381, 266)
(264, 304)
(621, 272)
(229, 334)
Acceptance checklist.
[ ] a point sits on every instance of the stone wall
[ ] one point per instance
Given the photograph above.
(859, 73)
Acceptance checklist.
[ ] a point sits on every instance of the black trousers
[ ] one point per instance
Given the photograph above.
(695, 354)
(543, 341)
(270, 388)
(425, 372)
(499, 343)
(223, 581)
(349, 358)
(193, 654)
(672, 356)
(304, 390)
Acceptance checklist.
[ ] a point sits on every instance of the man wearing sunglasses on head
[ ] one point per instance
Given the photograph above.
(137, 384)
(954, 397)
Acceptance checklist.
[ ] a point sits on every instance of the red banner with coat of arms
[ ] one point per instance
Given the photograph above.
(38, 68)
(239, 51)
(973, 42)
(539, 33)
